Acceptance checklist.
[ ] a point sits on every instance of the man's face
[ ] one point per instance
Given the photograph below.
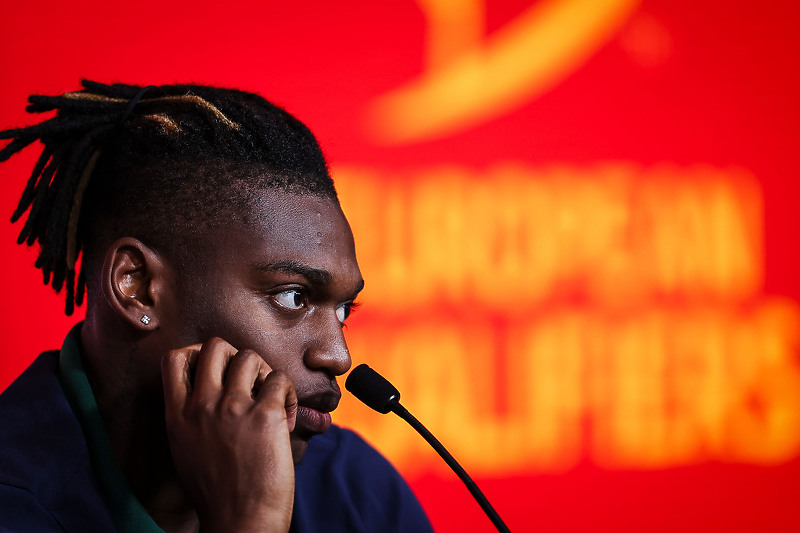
(281, 285)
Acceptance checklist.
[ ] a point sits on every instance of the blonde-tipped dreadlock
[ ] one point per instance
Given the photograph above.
(154, 169)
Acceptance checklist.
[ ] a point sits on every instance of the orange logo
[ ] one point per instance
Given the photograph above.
(471, 79)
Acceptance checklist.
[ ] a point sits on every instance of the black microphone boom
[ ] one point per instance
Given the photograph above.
(376, 391)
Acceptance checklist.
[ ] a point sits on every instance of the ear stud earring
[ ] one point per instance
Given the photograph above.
(145, 320)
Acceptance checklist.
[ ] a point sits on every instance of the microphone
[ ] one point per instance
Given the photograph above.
(376, 391)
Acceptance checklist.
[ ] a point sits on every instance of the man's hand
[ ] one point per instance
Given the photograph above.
(228, 432)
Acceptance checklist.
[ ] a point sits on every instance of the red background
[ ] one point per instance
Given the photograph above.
(724, 93)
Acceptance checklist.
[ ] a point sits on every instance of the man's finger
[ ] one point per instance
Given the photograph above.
(246, 372)
(212, 362)
(175, 370)
(278, 391)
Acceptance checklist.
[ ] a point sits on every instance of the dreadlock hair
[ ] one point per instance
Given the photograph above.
(150, 163)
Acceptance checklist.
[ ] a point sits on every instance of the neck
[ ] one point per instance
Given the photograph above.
(124, 372)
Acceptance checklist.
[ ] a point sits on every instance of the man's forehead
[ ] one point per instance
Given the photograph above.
(302, 234)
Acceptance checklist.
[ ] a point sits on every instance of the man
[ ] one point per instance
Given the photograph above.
(219, 270)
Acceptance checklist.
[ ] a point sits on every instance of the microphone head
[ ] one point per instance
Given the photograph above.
(372, 388)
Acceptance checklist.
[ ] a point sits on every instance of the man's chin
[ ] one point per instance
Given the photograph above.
(299, 446)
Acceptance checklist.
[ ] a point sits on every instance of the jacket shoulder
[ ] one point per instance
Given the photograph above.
(45, 469)
(344, 484)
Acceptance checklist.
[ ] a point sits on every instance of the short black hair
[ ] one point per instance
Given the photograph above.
(157, 163)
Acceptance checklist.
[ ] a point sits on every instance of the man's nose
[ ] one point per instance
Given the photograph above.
(328, 349)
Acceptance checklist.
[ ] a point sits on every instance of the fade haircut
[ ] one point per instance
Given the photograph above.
(159, 164)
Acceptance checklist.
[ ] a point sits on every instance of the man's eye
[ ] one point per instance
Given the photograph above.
(344, 310)
(290, 299)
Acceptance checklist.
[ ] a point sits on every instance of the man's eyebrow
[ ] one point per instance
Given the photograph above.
(314, 275)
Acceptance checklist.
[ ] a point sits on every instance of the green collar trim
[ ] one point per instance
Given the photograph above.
(126, 511)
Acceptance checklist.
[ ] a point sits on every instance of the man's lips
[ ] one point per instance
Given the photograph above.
(312, 421)
(313, 413)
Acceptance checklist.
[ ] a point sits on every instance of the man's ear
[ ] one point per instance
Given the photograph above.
(134, 281)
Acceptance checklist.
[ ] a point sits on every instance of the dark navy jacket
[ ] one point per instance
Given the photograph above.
(47, 482)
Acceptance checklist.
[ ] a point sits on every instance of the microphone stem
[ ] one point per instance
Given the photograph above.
(403, 413)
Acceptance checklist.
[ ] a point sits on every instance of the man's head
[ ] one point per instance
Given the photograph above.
(209, 210)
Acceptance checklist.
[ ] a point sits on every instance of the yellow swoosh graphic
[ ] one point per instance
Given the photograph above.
(530, 55)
